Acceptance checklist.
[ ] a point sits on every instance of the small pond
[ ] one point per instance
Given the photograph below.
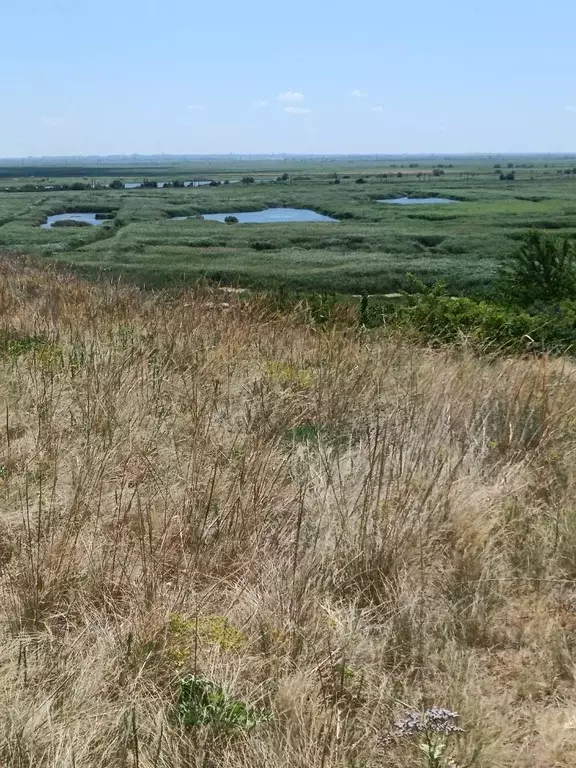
(270, 216)
(418, 201)
(86, 218)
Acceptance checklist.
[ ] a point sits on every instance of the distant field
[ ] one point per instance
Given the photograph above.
(372, 248)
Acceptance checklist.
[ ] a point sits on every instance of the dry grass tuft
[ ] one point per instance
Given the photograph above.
(330, 528)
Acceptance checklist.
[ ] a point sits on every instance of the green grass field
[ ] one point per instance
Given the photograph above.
(372, 248)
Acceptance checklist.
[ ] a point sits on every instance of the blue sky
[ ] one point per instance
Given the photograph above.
(303, 76)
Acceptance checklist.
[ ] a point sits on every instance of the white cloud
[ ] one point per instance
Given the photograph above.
(359, 94)
(260, 104)
(378, 109)
(297, 110)
(56, 122)
(196, 107)
(569, 108)
(291, 97)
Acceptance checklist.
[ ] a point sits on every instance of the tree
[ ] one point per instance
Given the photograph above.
(542, 269)
(231, 220)
(247, 179)
(360, 180)
(116, 184)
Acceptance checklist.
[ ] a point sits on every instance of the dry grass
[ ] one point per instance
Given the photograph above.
(334, 527)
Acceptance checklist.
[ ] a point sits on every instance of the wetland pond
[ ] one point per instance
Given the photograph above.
(271, 216)
(77, 219)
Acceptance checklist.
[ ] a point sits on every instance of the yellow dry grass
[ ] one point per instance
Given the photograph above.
(334, 526)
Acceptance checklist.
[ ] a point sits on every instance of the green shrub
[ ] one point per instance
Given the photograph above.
(543, 269)
(203, 702)
(484, 324)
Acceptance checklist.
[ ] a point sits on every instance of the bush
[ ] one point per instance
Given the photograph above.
(231, 220)
(64, 223)
(543, 269)
(203, 702)
(116, 184)
(485, 324)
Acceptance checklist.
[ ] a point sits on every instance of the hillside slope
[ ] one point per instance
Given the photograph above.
(228, 539)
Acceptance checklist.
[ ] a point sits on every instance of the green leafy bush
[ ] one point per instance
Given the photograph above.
(203, 702)
(486, 324)
(543, 269)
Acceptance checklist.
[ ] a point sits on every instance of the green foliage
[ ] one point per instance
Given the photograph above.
(303, 433)
(369, 316)
(70, 223)
(231, 219)
(543, 269)
(184, 633)
(116, 184)
(321, 307)
(486, 325)
(14, 345)
(203, 702)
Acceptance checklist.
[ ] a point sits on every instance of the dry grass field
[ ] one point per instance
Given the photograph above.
(231, 540)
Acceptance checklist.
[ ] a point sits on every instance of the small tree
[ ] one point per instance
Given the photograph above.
(116, 184)
(542, 269)
(231, 220)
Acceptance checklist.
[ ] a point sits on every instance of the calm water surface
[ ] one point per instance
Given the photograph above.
(270, 216)
(89, 218)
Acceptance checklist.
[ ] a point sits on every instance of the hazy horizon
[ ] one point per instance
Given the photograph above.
(288, 156)
(381, 79)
